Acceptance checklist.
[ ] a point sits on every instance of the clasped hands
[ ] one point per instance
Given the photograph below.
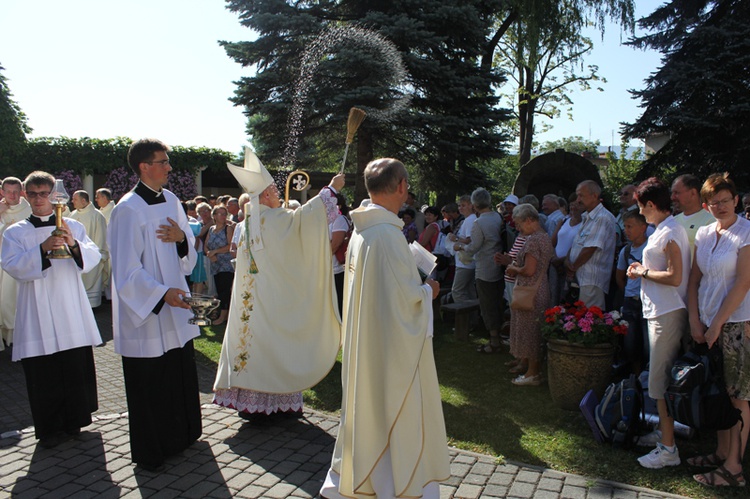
(57, 242)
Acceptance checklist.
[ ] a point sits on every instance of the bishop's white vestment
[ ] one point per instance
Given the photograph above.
(283, 332)
(392, 428)
(8, 286)
(96, 228)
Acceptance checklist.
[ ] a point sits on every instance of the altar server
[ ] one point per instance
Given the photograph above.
(152, 250)
(55, 327)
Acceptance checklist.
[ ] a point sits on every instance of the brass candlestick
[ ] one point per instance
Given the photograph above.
(59, 197)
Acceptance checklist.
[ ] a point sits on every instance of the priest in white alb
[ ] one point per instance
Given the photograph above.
(55, 327)
(104, 202)
(96, 228)
(152, 251)
(283, 332)
(13, 208)
(391, 441)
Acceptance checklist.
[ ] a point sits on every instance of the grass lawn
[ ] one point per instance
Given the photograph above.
(485, 413)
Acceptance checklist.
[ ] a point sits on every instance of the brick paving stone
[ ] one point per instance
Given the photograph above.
(501, 479)
(466, 491)
(221, 493)
(447, 492)
(186, 482)
(528, 476)
(522, 489)
(600, 492)
(268, 480)
(281, 490)
(573, 492)
(199, 490)
(483, 469)
(459, 469)
(251, 492)
(241, 481)
(545, 494)
(464, 459)
(495, 491)
(624, 494)
(552, 484)
(474, 479)
(576, 481)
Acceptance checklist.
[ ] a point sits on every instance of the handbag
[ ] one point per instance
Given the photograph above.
(523, 296)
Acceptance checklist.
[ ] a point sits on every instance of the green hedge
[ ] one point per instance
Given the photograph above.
(100, 156)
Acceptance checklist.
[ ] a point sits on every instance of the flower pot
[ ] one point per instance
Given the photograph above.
(574, 369)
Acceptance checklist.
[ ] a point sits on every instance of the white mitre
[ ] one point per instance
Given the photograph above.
(254, 178)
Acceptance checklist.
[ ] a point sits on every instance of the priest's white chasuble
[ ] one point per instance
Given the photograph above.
(96, 228)
(8, 286)
(391, 398)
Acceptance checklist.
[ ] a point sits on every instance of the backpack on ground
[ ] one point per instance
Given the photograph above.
(697, 396)
(619, 415)
(341, 251)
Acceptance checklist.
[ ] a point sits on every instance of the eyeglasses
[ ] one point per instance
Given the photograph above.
(722, 202)
(162, 162)
(41, 194)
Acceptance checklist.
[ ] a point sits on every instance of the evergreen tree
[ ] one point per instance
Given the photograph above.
(13, 130)
(452, 125)
(700, 96)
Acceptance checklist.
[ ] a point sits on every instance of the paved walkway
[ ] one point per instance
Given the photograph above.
(231, 459)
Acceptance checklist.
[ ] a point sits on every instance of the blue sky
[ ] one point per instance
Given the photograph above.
(97, 68)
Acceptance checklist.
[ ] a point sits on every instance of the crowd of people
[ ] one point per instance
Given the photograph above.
(673, 259)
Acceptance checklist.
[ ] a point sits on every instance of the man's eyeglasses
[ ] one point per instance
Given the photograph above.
(41, 194)
(162, 162)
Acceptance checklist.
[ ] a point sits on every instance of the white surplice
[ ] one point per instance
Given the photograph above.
(143, 270)
(53, 313)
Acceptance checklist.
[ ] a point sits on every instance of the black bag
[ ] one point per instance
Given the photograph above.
(619, 416)
(696, 395)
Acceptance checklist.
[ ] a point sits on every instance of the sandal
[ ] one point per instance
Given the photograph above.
(707, 461)
(488, 349)
(730, 480)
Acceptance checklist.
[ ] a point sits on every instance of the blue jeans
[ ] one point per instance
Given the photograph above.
(636, 341)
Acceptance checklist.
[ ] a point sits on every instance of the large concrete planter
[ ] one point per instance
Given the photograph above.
(574, 369)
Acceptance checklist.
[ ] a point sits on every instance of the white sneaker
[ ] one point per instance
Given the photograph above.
(650, 439)
(660, 457)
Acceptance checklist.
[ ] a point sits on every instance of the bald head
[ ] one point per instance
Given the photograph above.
(387, 183)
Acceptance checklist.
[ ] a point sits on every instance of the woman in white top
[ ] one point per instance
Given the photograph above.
(719, 308)
(664, 276)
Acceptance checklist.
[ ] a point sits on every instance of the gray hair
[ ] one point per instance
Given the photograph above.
(553, 197)
(530, 199)
(525, 211)
(480, 198)
(592, 187)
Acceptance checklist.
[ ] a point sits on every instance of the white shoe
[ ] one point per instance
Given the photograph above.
(522, 380)
(649, 440)
(660, 457)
